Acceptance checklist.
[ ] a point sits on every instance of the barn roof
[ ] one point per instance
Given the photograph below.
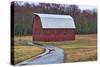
(56, 21)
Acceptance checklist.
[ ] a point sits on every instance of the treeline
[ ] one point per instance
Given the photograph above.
(85, 20)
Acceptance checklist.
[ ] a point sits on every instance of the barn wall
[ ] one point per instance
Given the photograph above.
(36, 28)
(40, 34)
(57, 34)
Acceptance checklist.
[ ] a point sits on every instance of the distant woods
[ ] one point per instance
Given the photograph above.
(85, 20)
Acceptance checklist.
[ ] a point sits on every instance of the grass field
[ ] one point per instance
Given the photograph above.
(83, 48)
(24, 52)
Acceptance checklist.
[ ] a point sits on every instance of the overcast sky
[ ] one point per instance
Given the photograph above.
(82, 7)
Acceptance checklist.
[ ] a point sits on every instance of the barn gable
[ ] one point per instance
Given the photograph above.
(56, 21)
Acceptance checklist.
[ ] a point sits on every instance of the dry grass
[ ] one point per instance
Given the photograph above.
(83, 48)
(80, 55)
(23, 38)
(24, 52)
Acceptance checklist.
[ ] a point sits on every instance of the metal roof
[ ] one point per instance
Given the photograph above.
(56, 21)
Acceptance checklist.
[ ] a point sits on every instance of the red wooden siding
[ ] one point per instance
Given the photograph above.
(40, 34)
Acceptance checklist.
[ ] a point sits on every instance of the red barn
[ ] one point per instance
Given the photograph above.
(50, 27)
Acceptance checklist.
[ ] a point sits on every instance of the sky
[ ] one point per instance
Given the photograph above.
(82, 7)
